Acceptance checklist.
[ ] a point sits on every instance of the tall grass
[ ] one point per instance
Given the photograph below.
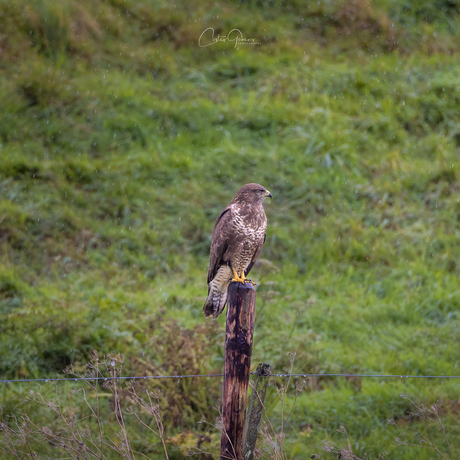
(121, 140)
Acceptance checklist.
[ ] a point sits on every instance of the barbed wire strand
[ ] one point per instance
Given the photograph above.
(146, 377)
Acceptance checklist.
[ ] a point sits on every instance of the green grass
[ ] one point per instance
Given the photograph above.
(120, 142)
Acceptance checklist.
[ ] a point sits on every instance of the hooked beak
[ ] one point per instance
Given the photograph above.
(268, 194)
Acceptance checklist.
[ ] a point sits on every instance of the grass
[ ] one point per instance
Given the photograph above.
(120, 142)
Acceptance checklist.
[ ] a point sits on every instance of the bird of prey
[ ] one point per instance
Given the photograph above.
(237, 241)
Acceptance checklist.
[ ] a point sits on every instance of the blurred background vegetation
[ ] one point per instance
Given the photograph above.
(120, 142)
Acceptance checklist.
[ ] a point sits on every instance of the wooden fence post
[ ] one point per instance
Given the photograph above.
(241, 301)
(255, 409)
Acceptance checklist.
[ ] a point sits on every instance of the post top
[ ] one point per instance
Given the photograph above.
(240, 285)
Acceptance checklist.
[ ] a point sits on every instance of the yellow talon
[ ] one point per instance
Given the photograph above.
(238, 278)
(242, 278)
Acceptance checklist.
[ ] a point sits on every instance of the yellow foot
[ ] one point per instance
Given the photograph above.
(238, 278)
(250, 281)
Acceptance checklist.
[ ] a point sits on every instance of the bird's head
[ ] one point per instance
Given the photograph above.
(252, 194)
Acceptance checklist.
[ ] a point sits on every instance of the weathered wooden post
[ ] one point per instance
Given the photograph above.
(255, 409)
(241, 302)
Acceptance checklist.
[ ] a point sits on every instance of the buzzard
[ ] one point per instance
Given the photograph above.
(237, 241)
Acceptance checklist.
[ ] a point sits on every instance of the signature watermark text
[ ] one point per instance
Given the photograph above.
(208, 38)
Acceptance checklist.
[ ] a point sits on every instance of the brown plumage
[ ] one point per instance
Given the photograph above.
(237, 241)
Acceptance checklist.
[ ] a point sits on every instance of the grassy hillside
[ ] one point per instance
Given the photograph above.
(121, 140)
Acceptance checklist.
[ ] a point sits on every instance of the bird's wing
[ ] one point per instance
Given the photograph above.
(256, 254)
(219, 242)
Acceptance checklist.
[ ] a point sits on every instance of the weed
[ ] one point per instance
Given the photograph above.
(425, 440)
(71, 431)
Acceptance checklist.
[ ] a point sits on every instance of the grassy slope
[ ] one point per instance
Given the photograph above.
(121, 140)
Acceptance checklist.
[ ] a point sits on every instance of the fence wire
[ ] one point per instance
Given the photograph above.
(147, 377)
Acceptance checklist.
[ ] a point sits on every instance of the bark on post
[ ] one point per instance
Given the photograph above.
(255, 409)
(241, 301)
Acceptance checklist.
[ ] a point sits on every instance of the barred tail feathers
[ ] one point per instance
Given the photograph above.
(217, 292)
